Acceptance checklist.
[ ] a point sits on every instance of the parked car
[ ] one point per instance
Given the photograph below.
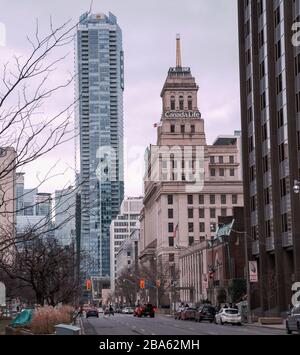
(188, 313)
(92, 312)
(205, 312)
(228, 315)
(177, 314)
(144, 311)
(127, 310)
(118, 310)
(293, 321)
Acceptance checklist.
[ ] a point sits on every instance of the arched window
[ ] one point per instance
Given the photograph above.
(181, 103)
(190, 103)
(172, 103)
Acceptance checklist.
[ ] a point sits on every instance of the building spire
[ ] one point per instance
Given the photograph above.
(178, 52)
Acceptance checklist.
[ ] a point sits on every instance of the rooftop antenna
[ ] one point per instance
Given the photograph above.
(91, 6)
(178, 52)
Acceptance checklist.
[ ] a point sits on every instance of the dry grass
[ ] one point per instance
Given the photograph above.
(45, 319)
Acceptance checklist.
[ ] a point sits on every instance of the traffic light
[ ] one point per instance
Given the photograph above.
(88, 285)
(142, 283)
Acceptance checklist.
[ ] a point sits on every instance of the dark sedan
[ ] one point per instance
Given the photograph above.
(205, 312)
(92, 312)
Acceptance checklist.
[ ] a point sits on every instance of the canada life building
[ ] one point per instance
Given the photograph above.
(100, 85)
(187, 183)
(270, 106)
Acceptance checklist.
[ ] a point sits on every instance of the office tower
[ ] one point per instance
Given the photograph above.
(64, 211)
(188, 183)
(270, 111)
(121, 228)
(100, 85)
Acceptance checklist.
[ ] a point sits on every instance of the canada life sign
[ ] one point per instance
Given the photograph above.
(183, 114)
(2, 295)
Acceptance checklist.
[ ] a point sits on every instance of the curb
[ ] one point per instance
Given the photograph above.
(264, 326)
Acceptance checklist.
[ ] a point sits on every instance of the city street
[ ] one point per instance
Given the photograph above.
(161, 325)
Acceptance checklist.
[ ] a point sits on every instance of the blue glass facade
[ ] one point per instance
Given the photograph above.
(100, 88)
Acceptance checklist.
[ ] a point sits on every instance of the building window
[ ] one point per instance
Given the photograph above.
(264, 132)
(191, 227)
(181, 103)
(223, 212)
(249, 86)
(282, 152)
(298, 102)
(268, 229)
(128, 262)
(172, 103)
(262, 69)
(232, 172)
(279, 84)
(201, 213)
(267, 196)
(280, 118)
(212, 199)
(284, 223)
(234, 199)
(201, 199)
(170, 227)
(223, 199)
(251, 144)
(278, 50)
(277, 16)
(212, 172)
(172, 128)
(182, 128)
(253, 203)
(231, 159)
(191, 241)
(213, 227)
(171, 258)
(212, 159)
(222, 172)
(263, 102)
(170, 199)
(192, 128)
(212, 213)
(252, 173)
(128, 253)
(265, 164)
(171, 242)
(190, 213)
(190, 199)
(221, 160)
(249, 115)
(202, 227)
(297, 64)
(190, 103)
(170, 213)
(261, 38)
(283, 187)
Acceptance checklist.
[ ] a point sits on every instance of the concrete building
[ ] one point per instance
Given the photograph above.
(270, 107)
(34, 209)
(127, 255)
(225, 263)
(188, 184)
(100, 85)
(64, 211)
(7, 193)
(121, 229)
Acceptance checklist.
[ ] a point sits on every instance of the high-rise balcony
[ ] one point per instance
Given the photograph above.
(255, 247)
(270, 245)
(287, 240)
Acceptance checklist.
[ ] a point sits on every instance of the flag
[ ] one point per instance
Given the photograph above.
(159, 124)
(175, 231)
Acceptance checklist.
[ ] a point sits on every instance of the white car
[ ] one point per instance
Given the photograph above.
(127, 310)
(100, 310)
(228, 315)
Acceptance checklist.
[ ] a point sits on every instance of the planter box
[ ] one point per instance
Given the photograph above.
(270, 321)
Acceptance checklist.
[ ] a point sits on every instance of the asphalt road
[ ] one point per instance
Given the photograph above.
(161, 325)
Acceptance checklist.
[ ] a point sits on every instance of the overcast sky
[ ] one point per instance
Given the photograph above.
(209, 33)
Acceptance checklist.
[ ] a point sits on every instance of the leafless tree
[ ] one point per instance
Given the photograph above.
(45, 267)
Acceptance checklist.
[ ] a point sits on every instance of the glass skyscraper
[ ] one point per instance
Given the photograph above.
(100, 85)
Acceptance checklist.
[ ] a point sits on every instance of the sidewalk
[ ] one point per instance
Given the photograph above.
(267, 326)
(79, 324)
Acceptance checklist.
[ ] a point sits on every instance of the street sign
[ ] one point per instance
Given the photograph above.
(2, 295)
(253, 272)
